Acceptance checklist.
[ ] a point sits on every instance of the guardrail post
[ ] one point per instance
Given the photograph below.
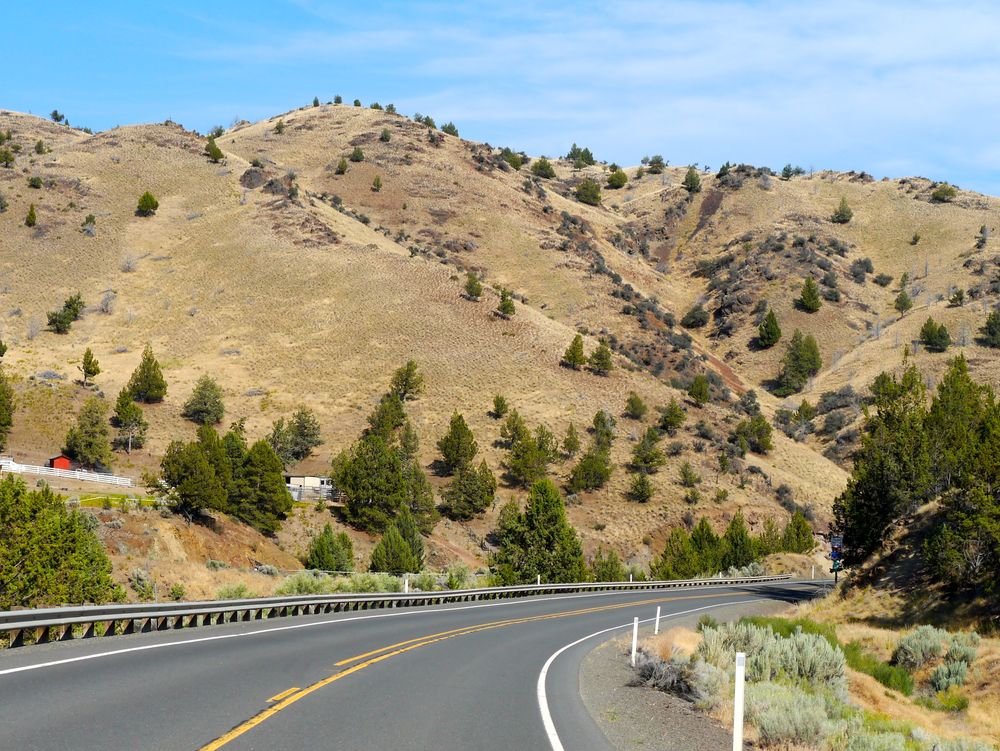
(741, 661)
(635, 637)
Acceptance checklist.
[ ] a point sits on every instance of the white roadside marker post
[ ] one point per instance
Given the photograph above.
(630, 578)
(406, 584)
(656, 626)
(538, 580)
(741, 661)
(635, 637)
(814, 572)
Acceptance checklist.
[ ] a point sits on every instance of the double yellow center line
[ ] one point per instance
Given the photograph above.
(359, 662)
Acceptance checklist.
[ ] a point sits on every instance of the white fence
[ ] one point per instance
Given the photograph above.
(7, 464)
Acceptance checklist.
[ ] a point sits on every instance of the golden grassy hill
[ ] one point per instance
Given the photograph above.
(315, 299)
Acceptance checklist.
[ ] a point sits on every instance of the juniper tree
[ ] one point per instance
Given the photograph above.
(392, 555)
(541, 167)
(737, 543)
(295, 439)
(87, 442)
(279, 127)
(591, 472)
(205, 405)
(687, 476)
(600, 359)
(7, 405)
(692, 181)
(678, 560)
(588, 192)
(147, 204)
(753, 434)
(407, 382)
(32, 218)
(505, 308)
(357, 155)
(574, 356)
(473, 287)
(377, 184)
(801, 361)
(130, 423)
(470, 493)
(656, 164)
(385, 136)
(330, 552)
(798, 535)
(640, 488)
(903, 302)
(500, 407)
(647, 457)
(671, 417)
(617, 179)
(264, 498)
(341, 167)
(769, 332)
(809, 300)
(699, 390)
(387, 417)
(212, 151)
(635, 407)
(147, 383)
(935, 336)
(458, 446)
(89, 366)
(991, 330)
(450, 129)
(603, 429)
(843, 213)
(695, 318)
(607, 567)
(571, 441)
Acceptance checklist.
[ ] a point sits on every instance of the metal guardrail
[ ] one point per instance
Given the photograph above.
(9, 465)
(86, 621)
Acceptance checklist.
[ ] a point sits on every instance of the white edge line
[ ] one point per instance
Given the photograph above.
(311, 624)
(543, 702)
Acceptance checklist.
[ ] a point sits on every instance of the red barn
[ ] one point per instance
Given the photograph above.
(61, 462)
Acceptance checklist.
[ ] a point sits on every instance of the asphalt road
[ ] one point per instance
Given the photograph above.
(451, 678)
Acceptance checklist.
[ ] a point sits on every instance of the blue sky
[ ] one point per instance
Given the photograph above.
(894, 88)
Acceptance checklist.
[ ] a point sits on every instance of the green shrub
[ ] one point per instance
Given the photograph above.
(35, 182)
(458, 576)
(919, 646)
(234, 592)
(864, 740)
(147, 204)
(944, 193)
(949, 674)
(214, 565)
(786, 715)
(424, 582)
(357, 155)
(588, 192)
(177, 592)
(895, 677)
(707, 621)
(306, 583)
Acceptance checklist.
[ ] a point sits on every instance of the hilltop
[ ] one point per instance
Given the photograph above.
(292, 285)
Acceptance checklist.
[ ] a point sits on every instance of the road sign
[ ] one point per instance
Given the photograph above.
(835, 555)
(837, 541)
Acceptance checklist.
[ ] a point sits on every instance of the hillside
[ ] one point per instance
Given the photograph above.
(293, 285)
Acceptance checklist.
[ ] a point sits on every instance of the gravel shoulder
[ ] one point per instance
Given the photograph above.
(633, 717)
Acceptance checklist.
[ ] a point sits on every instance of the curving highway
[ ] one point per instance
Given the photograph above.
(495, 675)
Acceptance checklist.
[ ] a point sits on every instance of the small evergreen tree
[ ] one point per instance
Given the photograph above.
(392, 555)
(671, 417)
(591, 472)
(699, 390)
(607, 567)
(87, 442)
(843, 214)
(7, 405)
(407, 526)
(574, 356)
(617, 179)
(640, 488)
(647, 457)
(737, 543)
(264, 498)
(678, 560)
(991, 330)
(330, 552)
(571, 441)
(130, 423)
(458, 446)
(294, 440)
(377, 184)
(603, 428)
(935, 336)
(90, 367)
(754, 434)
(385, 136)
(769, 332)
(407, 382)
(692, 181)
(801, 361)
(147, 383)
(357, 155)
(471, 493)
(809, 300)
(656, 164)
(341, 167)
(798, 535)
(695, 318)
(500, 407)
(147, 204)
(338, 99)
(541, 167)
(635, 407)
(450, 129)
(279, 127)
(688, 477)
(601, 361)
(588, 192)
(32, 218)
(205, 405)
(473, 287)
(505, 309)
(212, 151)
(903, 302)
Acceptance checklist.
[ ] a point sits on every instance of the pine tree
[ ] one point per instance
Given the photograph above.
(87, 442)
(407, 527)
(473, 287)
(707, 547)
(843, 214)
(699, 390)
(513, 429)
(809, 300)
(130, 423)
(205, 405)
(754, 434)
(647, 458)
(769, 332)
(601, 362)
(574, 356)
(315, 101)
(458, 446)
(7, 405)
(678, 559)
(392, 555)
(640, 488)
(798, 535)
(737, 544)
(571, 441)
(688, 477)
(671, 417)
(505, 308)
(635, 407)
(991, 330)
(322, 555)
(387, 418)
(802, 360)
(147, 204)
(90, 367)
(903, 302)
(470, 493)
(212, 151)
(264, 498)
(407, 382)
(539, 542)
(530, 456)
(603, 429)
(500, 407)
(607, 567)
(32, 218)
(935, 336)
(692, 181)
